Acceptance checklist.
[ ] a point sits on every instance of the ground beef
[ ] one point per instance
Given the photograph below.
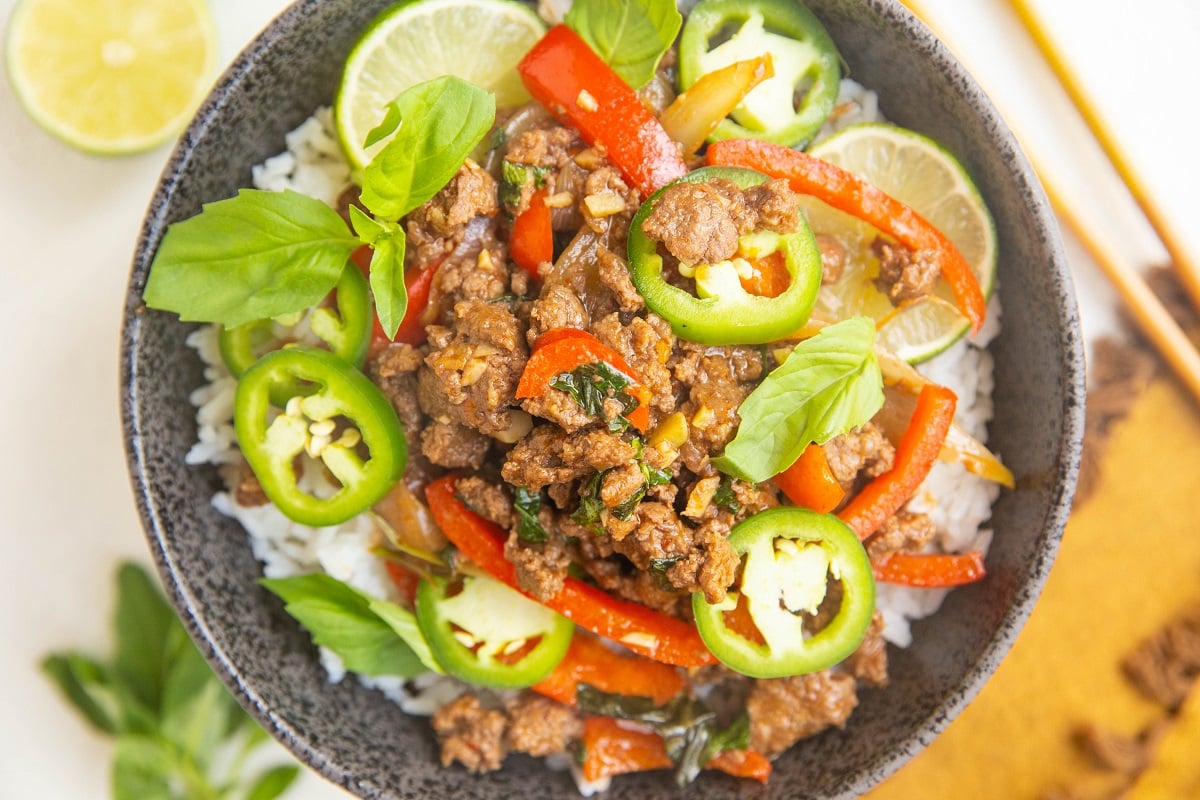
(711, 564)
(646, 346)
(556, 307)
(560, 408)
(553, 150)
(700, 223)
(479, 738)
(550, 455)
(905, 274)
(454, 446)
(394, 370)
(614, 273)
(608, 203)
(718, 379)
(437, 228)
(689, 559)
(904, 531)
(869, 663)
(620, 484)
(833, 258)
(488, 500)
(697, 223)
(541, 566)
(784, 710)
(539, 726)
(616, 575)
(861, 451)
(478, 368)
(474, 268)
(471, 734)
(753, 497)
(776, 206)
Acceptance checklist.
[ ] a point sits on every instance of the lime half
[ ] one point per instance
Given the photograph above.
(118, 76)
(922, 174)
(480, 41)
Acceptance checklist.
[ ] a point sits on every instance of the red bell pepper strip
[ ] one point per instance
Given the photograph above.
(915, 456)
(742, 764)
(417, 282)
(532, 239)
(849, 193)
(609, 748)
(612, 749)
(565, 349)
(650, 633)
(589, 661)
(405, 581)
(930, 570)
(566, 76)
(810, 482)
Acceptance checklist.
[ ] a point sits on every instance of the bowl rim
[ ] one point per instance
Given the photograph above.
(310, 752)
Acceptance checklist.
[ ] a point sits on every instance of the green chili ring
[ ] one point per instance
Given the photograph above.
(788, 649)
(815, 90)
(483, 612)
(339, 392)
(745, 319)
(345, 329)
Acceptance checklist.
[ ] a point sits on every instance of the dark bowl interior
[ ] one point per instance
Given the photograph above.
(355, 738)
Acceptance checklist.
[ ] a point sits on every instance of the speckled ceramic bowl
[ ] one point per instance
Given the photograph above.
(355, 738)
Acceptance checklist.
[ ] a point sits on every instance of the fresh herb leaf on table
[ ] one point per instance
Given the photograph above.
(180, 735)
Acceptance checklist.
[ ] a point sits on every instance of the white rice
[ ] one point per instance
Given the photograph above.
(958, 502)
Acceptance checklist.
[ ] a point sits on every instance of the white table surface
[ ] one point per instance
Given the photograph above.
(69, 224)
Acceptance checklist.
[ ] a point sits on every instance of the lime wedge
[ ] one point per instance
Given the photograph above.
(118, 76)
(480, 41)
(922, 174)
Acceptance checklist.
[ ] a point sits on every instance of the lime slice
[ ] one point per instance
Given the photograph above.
(922, 174)
(118, 76)
(480, 41)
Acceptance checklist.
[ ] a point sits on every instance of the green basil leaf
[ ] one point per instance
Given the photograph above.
(404, 624)
(388, 243)
(85, 683)
(273, 782)
(144, 768)
(591, 384)
(254, 256)
(439, 123)
(630, 35)
(528, 504)
(387, 280)
(828, 385)
(725, 497)
(143, 623)
(591, 507)
(343, 619)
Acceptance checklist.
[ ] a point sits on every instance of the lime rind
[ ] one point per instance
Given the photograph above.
(924, 175)
(418, 41)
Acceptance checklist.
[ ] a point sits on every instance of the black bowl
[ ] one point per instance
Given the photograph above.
(355, 738)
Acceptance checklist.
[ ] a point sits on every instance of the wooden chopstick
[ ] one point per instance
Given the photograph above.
(1155, 322)
(1187, 266)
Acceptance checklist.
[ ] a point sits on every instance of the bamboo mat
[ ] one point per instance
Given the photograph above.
(1129, 565)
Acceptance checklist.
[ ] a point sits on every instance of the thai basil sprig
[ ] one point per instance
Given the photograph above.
(267, 254)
